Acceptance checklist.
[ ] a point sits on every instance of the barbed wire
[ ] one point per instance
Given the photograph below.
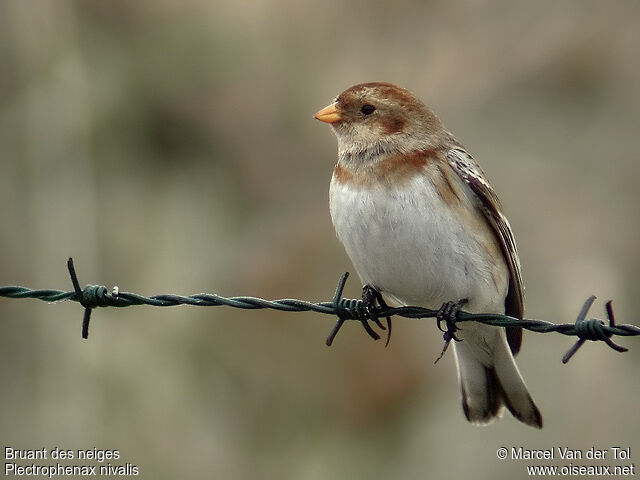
(93, 296)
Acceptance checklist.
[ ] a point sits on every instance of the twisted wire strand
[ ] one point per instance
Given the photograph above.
(93, 296)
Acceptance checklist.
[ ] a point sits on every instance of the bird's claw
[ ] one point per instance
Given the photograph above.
(373, 302)
(366, 310)
(448, 313)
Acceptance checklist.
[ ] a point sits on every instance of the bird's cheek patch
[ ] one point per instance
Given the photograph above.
(392, 124)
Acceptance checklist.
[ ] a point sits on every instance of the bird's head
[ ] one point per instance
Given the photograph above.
(381, 117)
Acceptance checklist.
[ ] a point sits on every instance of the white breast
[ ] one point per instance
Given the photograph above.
(407, 243)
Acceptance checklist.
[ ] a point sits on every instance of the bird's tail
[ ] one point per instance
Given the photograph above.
(488, 385)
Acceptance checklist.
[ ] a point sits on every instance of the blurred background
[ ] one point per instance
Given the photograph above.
(170, 147)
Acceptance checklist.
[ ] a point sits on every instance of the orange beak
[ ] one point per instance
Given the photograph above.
(329, 114)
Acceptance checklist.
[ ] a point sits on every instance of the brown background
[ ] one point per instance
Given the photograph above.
(170, 148)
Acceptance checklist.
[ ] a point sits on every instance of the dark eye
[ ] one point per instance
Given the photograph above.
(367, 109)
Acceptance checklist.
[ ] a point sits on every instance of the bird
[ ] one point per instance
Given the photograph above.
(423, 226)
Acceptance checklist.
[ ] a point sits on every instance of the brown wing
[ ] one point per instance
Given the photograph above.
(471, 173)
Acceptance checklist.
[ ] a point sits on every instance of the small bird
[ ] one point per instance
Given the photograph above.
(423, 227)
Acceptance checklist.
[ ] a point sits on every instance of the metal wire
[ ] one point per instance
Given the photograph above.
(93, 296)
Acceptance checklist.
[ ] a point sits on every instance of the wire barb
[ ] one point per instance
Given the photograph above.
(337, 299)
(92, 296)
(351, 309)
(80, 297)
(592, 329)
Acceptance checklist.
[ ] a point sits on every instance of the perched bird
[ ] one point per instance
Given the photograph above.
(423, 227)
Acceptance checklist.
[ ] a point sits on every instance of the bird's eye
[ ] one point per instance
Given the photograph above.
(367, 109)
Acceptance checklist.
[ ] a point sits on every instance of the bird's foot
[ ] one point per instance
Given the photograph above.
(448, 313)
(368, 309)
(373, 303)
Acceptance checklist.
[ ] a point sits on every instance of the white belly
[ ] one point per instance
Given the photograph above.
(410, 246)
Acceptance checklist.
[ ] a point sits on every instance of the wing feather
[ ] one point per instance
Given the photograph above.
(471, 174)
